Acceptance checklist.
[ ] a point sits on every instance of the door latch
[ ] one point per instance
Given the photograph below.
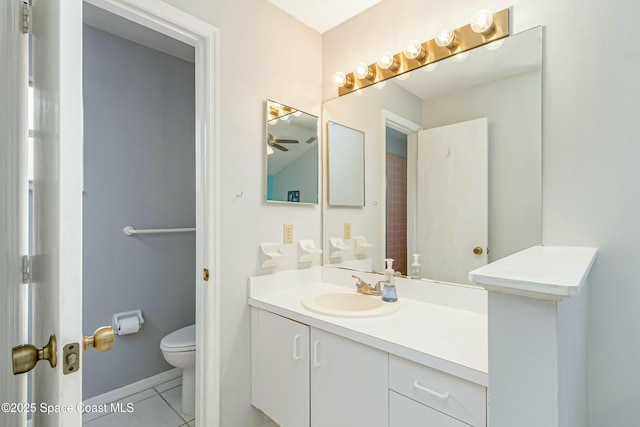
(101, 340)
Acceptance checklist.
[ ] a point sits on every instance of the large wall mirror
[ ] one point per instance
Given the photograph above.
(452, 164)
(291, 154)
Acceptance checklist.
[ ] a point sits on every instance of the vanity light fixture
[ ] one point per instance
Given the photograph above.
(281, 112)
(387, 61)
(482, 22)
(447, 38)
(363, 71)
(485, 28)
(414, 50)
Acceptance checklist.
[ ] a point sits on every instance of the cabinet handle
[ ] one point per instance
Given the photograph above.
(442, 396)
(316, 359)
(296, 356)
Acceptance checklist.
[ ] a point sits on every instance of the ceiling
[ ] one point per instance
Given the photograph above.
(323, 15)
(111, 23)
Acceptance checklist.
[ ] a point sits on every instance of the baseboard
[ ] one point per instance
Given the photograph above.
(137, 387)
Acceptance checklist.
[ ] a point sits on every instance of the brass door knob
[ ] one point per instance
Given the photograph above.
(101, 340)
(477, 250)
(26, 356)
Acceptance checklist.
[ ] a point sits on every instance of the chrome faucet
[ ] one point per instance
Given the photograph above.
(363, 287)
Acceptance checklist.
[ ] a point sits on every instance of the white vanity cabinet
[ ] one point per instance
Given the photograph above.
(325, 381)
(349, 383)
(420, 395)
(280, 368)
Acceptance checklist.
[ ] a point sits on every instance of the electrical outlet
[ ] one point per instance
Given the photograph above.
(288, 233)
(347, 230)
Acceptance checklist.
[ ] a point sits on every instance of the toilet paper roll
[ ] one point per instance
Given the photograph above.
(128, 325)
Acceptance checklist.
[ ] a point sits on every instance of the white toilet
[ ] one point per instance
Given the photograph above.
(179, 349)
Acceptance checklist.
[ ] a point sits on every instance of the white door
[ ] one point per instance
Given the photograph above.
(57, 201)
(57, 245)
(453, 200)
(13, 199)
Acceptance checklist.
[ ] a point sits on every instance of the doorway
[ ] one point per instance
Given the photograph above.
(139, 171)
(396, 198)
(203, 39)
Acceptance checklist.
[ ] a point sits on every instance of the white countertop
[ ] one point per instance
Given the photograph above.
(445, 338)
(548, 272)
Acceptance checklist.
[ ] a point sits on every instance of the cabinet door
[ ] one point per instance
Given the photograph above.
(349, 383)
(280, 362)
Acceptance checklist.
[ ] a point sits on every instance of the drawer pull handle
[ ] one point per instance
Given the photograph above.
(442, 396)
(296, 356)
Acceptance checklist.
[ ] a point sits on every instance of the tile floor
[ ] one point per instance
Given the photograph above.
(158, 406)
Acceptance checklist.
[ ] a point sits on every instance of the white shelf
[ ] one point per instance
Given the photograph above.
(546, 272)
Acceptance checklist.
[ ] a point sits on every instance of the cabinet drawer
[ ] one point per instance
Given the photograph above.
(456, 397)
(404, 412)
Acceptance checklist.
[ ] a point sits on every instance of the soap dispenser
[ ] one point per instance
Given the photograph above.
(415, 268)
(389, 291)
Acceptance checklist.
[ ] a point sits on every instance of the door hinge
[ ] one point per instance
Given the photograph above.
(26, 18)
(26, 269)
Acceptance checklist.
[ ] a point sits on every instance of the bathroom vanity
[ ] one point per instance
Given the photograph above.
(425, 362)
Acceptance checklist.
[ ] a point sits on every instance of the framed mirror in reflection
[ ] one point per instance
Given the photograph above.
(291, 155)
(346, 165)
(453, 163)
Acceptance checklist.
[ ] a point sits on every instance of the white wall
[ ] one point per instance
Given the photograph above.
(264, 53)
(591, 99)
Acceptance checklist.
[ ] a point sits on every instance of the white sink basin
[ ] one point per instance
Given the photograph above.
(348, 304)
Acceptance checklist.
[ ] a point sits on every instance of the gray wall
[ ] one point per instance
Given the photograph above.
(139, 159)
(302, 175)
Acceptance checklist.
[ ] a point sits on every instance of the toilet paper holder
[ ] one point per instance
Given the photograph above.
(119, 317)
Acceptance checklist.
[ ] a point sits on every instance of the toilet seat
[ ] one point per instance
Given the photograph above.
(181, 340)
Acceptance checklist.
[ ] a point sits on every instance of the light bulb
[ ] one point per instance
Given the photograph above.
(380, 85)
(482, 22)
(446, 38)
(285, 118)
(429, 68)
(298, 113)
(273, 121)
(414, 50)
(341, 80)
(363, 71)
(494, 45)
(269, 150)
(460, 57)
(387, 61)
(403, 76)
